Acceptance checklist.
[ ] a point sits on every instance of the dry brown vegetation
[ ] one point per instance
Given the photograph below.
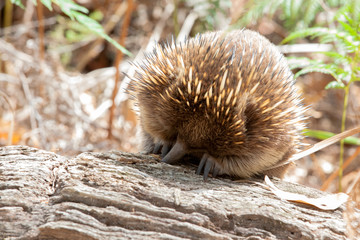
(59, 97)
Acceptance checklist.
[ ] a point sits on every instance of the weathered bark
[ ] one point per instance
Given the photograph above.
(119, 195)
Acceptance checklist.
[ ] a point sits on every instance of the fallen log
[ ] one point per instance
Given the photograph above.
(118, 195)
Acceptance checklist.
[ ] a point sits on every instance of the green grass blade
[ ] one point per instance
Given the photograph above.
(322, 135)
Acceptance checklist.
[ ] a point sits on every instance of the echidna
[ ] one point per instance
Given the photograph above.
(228, 98)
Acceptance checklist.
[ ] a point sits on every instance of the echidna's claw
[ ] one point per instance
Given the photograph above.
(165, 149)
(207, 163)
(209, 166)
(157, 148)
(201, 164)
(216, 171)
(175, 154)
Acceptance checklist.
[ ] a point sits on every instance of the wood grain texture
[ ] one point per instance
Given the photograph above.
(119, 195)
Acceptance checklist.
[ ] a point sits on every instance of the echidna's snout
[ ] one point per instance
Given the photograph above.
(173, 154)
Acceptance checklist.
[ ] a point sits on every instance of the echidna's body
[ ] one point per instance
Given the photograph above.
(226, 97)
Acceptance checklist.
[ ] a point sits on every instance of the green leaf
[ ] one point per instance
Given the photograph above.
(18, 3)
(309, 65)
(287, 8)
(69, 7)
(255, 10)
(95, 27)
(338, 58)
(357, 79)
(311, 11)
(75, 11)
(349, 41)
(322, 68)
(78, 27)
(88, 22)
(335, 85)
(47, 3)
(116, 44)
(309, 32)
(322, 135)
(348, 28)
(73, 36)
(326, 35)
(301, 62)
(96, 15)
(343, 13)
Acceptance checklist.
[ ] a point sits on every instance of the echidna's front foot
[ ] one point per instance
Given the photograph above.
(161, 148)
(165, 149)
(207, 163)
(173, 154)
(157, 148)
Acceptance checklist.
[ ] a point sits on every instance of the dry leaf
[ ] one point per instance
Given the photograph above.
(328, 202)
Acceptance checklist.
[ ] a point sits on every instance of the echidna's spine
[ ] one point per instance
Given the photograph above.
(228, 96)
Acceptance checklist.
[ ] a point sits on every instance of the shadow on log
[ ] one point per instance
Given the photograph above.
(119, 195)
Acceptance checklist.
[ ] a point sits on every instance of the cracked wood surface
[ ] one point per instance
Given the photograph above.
(118, 195)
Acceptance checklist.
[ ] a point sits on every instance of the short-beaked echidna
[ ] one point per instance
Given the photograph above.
(227, 98)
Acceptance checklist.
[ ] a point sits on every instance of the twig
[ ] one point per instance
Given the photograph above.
(351, 187)
(119, 56)
(8, 78)
(318, 146)
(12, 52)
(336, 173)
(8, 13)
(73, 46)
(169, 9)
(29, 99)
(35, 117)
(187, 26)
(40, 15)
(12, 122)
(22, 28)
(327, 142)
(175, 18)
(28, 14)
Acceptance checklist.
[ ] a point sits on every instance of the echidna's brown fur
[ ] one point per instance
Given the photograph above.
(229, 97)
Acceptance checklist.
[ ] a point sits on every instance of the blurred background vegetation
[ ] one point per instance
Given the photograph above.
(60, 89)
